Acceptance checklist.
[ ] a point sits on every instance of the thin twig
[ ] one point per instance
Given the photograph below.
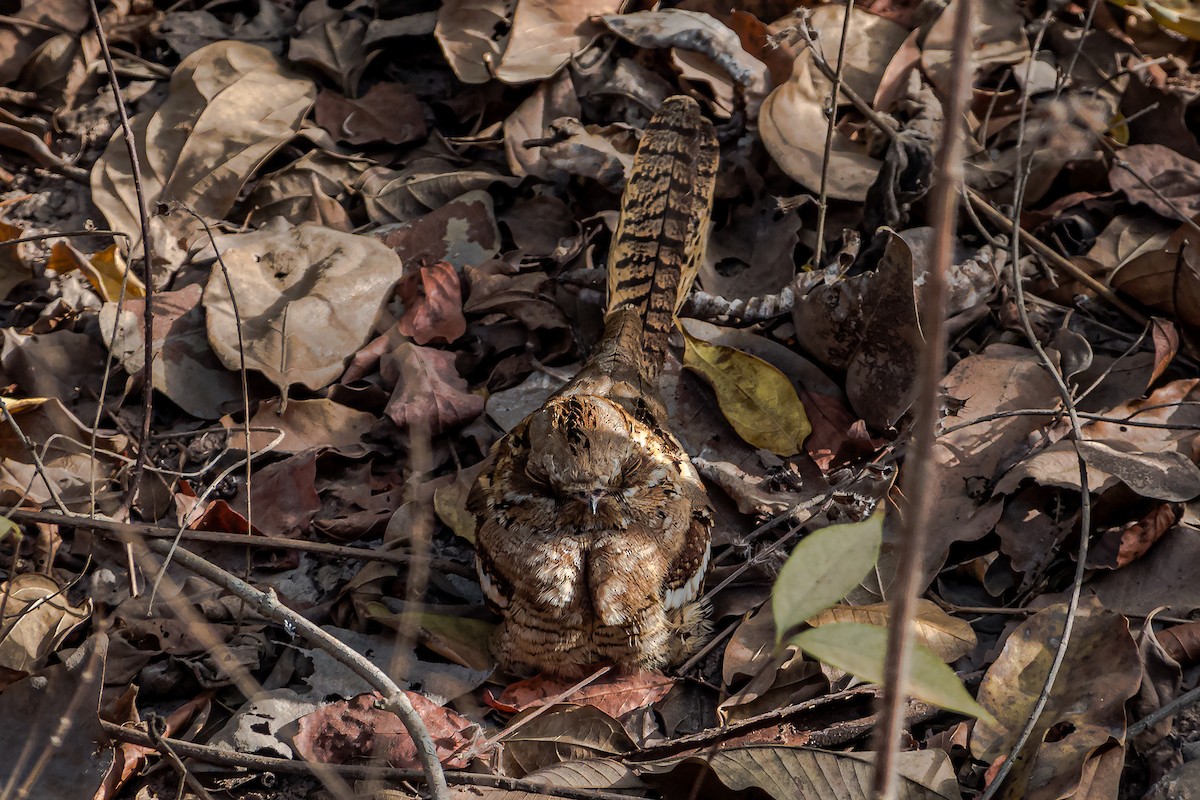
(830, 130)
(1085, 514)
(147, 266)
(394, 699)
(1170, 709)
(918, 473)
(123, 530)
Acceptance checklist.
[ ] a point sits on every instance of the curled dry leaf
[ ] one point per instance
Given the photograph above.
(702, 35)
(1121, 546)
(229, 107)
(547, 33)
(758, 400)
(429, 395)
(331, 39)
(185, 368)
(424, 184)
(37, 618)
(346, 730)
(308, 298)
(792, 121)
(947, 637)
(432, 300)
(562, 733)
(1085, 716)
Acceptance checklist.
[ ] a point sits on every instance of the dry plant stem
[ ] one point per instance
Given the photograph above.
(1085, 513)
(41, 237)
(831, 111)
(123, 530)
(1055, 259)
(285, 766)
(167, 752)
(918, 476)
(139, 464)
(394, 699)
(1170, 709)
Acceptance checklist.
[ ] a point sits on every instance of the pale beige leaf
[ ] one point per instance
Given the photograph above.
(308, 298)
(546, 33)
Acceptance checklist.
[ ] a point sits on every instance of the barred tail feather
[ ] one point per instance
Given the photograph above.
(659, 241)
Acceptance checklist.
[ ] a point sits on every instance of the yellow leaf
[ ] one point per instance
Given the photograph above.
(105, 270)
(758, 400)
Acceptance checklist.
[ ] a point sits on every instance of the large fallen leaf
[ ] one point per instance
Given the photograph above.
(305, 425)
(308, 298)
(948, 637)
(1166, 278)
(758, 400)
(797, 773)
(229, 107)
(826, 566)
(861, 650)
(185, 367)
(37, 617)
(331, 38)
(461, 232)
(792, 120)
(352, 729)
(1086, 712)
(562, 733)
(546, 33)
(968, 460)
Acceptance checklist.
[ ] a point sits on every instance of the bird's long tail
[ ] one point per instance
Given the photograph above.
(660, 236)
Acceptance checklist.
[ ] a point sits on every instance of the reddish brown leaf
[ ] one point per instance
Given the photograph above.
(1182, 642)
(388, 112)
(432, 304)
(428, 391)
(613, 694)
(352, 729)
(1123, 545)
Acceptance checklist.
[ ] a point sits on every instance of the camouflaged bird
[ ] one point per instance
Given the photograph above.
(593, 532)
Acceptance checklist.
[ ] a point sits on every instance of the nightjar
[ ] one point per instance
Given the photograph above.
(593, 528)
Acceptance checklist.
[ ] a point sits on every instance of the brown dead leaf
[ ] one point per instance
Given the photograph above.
(423, 185)
(1171, 175)
(948, 637)
(462, 232)
(615, 695)
(307, 190)
(432, 300)
(1086, 712)
(429, 394)
(231, 105)
(1121, 546)
(185, 367)
(308, 298)
(347, 730)
(332, 40)
(553, 99)
(546, 34)
(562, 733)
(473, 35)
(19, 41)
(316, 424)
(37, 618)
(388, 112)
(998, 37)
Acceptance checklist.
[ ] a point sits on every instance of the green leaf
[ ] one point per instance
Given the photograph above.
(824, 568)
(860, 649)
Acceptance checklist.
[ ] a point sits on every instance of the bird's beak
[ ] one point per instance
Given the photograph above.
(594, 502)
